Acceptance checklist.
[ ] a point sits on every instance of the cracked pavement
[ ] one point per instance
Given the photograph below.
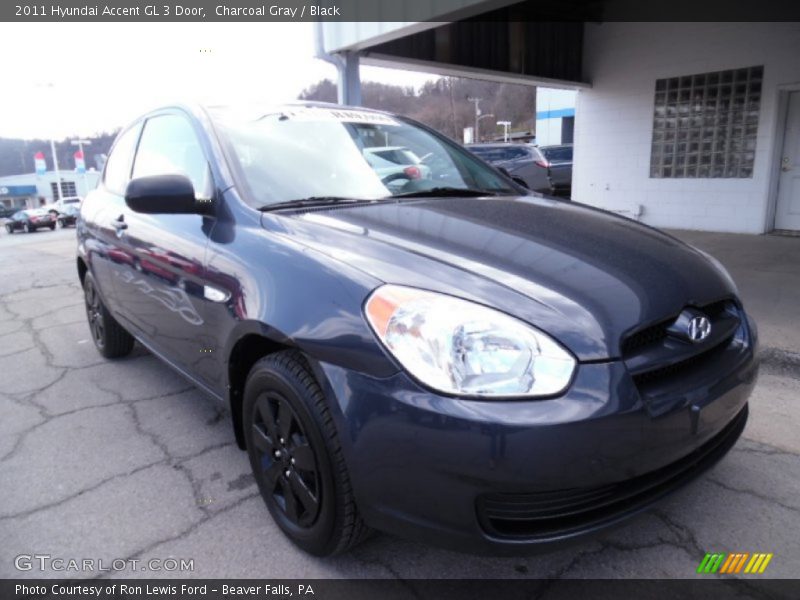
(125, 459)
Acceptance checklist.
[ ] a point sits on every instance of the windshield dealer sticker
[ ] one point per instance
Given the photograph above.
(342, 115)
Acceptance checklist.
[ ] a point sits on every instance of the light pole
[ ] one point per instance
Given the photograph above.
(486, 116)
(59, 192)
(506, 125)
(80, 144)
(477, 102)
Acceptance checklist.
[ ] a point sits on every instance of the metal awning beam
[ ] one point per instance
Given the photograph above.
(452, 70)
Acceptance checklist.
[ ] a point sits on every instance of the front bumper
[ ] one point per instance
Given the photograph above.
(515, 476)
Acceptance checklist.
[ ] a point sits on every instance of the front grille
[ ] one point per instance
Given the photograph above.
(656, 333)
(646, 337)
(557, 513)
(663, 362)
(663, 374)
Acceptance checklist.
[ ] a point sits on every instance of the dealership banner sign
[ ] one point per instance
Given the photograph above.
(80, 163)
(41, 166)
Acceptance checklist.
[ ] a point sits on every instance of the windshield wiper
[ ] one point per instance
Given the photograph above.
(314, 201)
(445, 192)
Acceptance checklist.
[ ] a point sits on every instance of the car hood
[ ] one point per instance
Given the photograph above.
(585, 276)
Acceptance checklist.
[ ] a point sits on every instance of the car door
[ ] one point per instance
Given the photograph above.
(161, 289)
(100, 235)
(16, 220)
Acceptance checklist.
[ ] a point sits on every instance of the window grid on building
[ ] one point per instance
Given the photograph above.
(705, 125)
(67, 189)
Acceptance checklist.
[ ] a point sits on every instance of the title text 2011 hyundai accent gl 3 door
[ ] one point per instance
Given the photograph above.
(447, 357)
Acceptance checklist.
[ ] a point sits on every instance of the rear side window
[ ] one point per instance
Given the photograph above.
(118, 167)
(169, 146)
(499, 153)
(558, 153)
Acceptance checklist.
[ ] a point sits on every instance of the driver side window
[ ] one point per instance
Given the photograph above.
(169, 146)
(118, 167)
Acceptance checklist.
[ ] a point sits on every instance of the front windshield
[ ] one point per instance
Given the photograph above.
(320, 152)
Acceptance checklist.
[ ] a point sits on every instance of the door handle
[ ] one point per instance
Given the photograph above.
(120, 224)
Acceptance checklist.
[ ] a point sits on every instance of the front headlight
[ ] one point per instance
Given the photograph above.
(462, 348)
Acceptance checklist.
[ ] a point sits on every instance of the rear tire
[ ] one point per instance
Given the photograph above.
(110, 338)
(296, 457)
(28, 228)
(53, 227)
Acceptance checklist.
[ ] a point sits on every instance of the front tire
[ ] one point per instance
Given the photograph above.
(9, 229)
(110, 339)
(296, 457)
(28, 228)
(52, 227)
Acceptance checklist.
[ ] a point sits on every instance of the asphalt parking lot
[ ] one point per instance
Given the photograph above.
(110, 460)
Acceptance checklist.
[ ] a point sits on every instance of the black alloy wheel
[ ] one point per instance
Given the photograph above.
(109, 337)
(296, 457)
(288, 466)
(94, 314)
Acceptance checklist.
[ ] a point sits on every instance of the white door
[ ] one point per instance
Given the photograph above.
(787, 214)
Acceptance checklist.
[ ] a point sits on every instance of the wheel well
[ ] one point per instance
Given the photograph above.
(81, 269)
(244, 355)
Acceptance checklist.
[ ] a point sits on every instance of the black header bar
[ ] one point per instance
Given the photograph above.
(396, 10)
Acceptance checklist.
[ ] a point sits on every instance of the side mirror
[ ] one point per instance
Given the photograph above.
(163, 194)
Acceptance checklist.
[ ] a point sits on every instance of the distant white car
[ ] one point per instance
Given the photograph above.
(396, 165)
(59, 206)
(67, 201)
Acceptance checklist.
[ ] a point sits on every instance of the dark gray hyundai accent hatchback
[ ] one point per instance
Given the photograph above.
(420, 347)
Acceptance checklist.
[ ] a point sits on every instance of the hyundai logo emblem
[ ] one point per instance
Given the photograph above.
(699, 329)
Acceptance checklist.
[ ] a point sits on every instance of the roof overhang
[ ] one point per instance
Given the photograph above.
(377, 59)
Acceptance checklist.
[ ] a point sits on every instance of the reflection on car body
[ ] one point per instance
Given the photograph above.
(174, 298)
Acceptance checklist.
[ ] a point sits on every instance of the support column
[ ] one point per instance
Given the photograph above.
(349, 79)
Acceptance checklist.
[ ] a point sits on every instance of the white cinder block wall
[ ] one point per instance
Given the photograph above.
(614, 119)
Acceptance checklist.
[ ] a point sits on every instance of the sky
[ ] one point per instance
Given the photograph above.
(77, 79)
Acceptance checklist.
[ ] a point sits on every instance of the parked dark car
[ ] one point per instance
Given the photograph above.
(68, 215)
(521, 161)
(30, 220)
(457, 360)
(559, 165)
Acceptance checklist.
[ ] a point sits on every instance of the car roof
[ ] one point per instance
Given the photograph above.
(266, 108)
